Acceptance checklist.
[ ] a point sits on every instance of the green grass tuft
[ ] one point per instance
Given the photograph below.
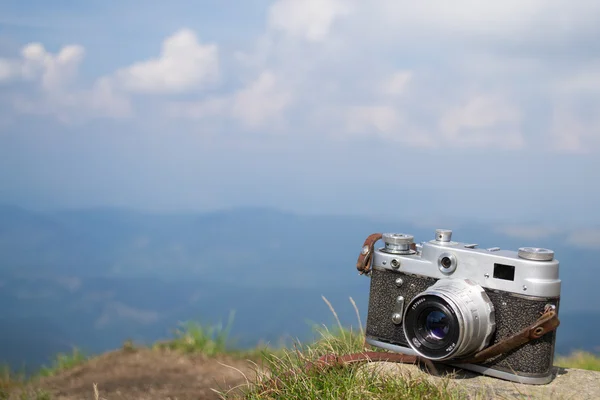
(579, 360)
(196, 338)
(14, 384)
(350, 382)
(63, 362)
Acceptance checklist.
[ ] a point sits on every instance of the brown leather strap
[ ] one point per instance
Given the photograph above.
(546, 323)
(365, 259)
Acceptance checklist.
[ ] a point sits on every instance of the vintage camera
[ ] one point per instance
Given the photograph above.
(445, 301)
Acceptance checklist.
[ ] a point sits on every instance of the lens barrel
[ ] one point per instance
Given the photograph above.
(450, 319)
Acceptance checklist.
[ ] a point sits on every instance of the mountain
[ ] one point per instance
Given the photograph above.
(94, 278)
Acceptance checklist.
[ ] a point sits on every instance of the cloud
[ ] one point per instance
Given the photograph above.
(7, 70)
(198, 110)
(585, 81)
(106, 99)
(528, 232)
(259, 104)
(575, 125)
(585, 238)
(184, 64)
(52, 70)
(483, 120)
(116, 312)
(588, 238)
(71, 283)
(389, 122)
(432, 74)
(554, 22)
(308, 19)
(383, 119)
(397, 83)
(55, 91)
(58, 71)
(260, 101)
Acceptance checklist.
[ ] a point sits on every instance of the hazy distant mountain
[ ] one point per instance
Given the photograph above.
(94, 278)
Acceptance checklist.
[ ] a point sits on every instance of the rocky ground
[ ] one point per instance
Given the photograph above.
(567, 384)
(146, 374)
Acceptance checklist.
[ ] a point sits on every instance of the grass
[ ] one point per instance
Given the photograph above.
(11, 383)
(196, 338)
(16, 384)
(579, 360)
(63, 362)
(350, 382)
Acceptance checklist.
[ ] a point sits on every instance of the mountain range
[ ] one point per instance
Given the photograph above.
(94, 278)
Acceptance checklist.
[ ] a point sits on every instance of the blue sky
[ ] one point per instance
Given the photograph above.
(487, 111)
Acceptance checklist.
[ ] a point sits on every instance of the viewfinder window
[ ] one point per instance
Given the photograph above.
(504, 272)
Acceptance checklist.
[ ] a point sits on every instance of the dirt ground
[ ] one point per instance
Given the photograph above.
(145, 374)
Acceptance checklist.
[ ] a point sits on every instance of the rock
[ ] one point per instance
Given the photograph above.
(568, 383)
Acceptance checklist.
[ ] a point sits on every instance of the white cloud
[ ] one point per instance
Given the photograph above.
(116, 312)
(56, 92)
(308, 19)
(381, 119)
(588, 238)
(528, 232)
(62, 69)
(36, 63)
(582, 82)
(573, 130)
(397, 83)
(483, 121)
(261, 101)
(76, 107)
(430, 73)
(585, 238)
(524, 21)
(7, 70)
(387, 122)
(212, 107)
(105, 99)
(183, 65)
(259, 104)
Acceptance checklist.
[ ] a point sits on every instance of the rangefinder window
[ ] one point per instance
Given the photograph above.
(505, 272)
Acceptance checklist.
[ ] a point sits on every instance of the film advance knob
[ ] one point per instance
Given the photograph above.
(536, 254)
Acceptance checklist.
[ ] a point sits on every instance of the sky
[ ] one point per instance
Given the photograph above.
(463, 109)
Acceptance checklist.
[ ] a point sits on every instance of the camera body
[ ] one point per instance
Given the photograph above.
(446, 300)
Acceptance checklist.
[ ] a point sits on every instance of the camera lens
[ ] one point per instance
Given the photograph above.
(437, 324)
(446, 262)
(432, 326)
(450, 319)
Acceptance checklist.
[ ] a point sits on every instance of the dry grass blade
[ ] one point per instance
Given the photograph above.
(357, 316)
(290, 379)
(334, 314)
(97, 393)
